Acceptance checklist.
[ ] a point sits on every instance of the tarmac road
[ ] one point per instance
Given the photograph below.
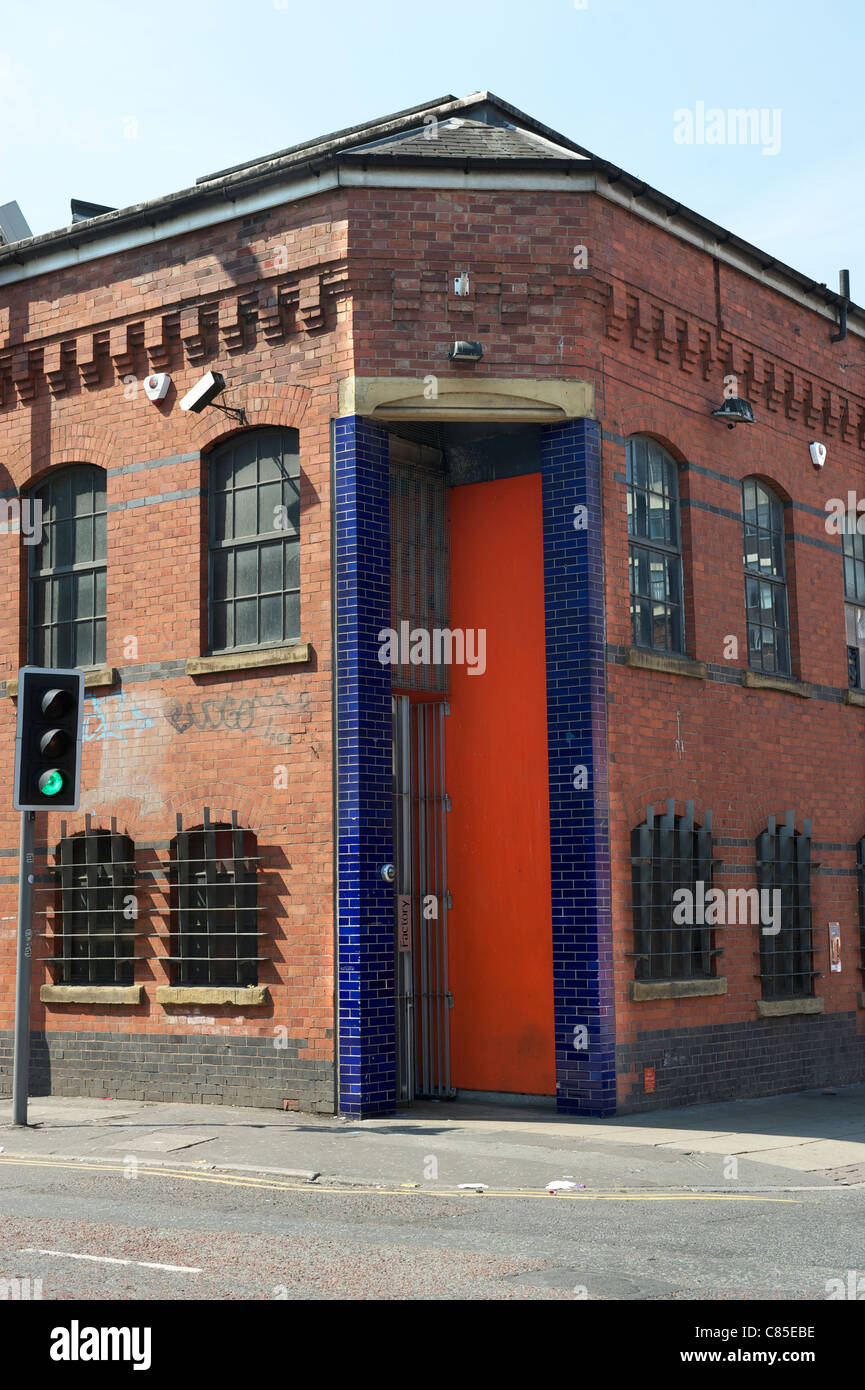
(209, 1235)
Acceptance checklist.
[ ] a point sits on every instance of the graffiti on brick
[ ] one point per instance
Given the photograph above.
(226, 712)
(116, 716)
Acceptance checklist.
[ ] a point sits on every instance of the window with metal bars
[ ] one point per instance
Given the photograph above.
(95, 909)
(860, 866)
(765, 579)
(654, 551)
(786, 955)
(668, 853)
(66, 613)
(853, 551)
(215, 934)
(254, 527)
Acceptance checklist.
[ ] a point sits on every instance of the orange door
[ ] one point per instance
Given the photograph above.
(500, 928)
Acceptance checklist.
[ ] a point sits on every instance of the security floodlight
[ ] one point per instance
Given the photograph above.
(735, 412)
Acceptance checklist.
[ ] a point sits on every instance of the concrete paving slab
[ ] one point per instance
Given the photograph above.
(161, 1141)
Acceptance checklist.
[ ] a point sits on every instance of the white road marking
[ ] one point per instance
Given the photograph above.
(111, 1260)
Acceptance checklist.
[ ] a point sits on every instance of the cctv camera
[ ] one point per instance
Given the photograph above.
(206, 390)
(156, 387)
(818, 454)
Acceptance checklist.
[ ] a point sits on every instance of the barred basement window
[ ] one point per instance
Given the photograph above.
(668, 854)
(66, 614)
(213, 872)
(654, 553)
(95, 909)
(765, 579)
(784, 866)
(254, 522)
(853, 549)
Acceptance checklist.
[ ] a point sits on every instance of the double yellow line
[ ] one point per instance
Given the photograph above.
(268, 1184)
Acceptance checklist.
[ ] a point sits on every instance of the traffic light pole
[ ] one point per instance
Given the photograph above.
(21, 1064)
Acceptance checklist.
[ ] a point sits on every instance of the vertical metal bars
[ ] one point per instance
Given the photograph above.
(420, 809)
(784, 864)
(96, 873)
(669, 853)
(214, 905)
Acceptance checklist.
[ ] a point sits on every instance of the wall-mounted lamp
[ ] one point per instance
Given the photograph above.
(465, 352)
(735, 411)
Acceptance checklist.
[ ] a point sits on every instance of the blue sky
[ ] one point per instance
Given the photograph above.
(120, 103)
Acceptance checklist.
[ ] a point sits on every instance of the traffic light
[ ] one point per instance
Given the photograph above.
(48, 741)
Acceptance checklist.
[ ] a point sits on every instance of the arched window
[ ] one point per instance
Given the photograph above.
(672, 939)
(765, 579)
(784, 882)
(214, 906)
(853, 548)
(66, 611)
(95, 909)
(655, 555)
(254, 523)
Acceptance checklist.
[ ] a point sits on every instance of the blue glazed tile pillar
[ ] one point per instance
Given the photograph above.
(365, 904)
(577, 741)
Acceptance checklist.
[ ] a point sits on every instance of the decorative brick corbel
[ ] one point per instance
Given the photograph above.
(192, 333)
(157, 343)
(54, 368)
(706, 352)
(665, 335)
(311, 308)
(831, 412)
(231, 323)
(689, 347)
(773, 393)
(812, 410)
(270, 316)
(89, 359)
(121, 349)
(616, 310)
(23, 375)
(639, 315)
(794, 395)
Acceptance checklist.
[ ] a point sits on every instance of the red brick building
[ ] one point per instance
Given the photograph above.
(252, 764)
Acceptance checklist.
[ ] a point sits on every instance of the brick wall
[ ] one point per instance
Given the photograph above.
(263, 300)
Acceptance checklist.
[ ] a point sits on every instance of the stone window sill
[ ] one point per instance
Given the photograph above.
(670, 663)
(292, 655)
(94, 679)
(91, 994)
(250, 996)
(755, 680)
(855, 697)
(676, 989)
(780, 1008)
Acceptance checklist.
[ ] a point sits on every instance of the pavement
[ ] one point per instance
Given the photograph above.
(791, 1142)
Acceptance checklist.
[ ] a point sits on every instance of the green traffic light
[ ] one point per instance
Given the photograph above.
(50, 783)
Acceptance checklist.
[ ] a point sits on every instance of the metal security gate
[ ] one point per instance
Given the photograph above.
(420, 839)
